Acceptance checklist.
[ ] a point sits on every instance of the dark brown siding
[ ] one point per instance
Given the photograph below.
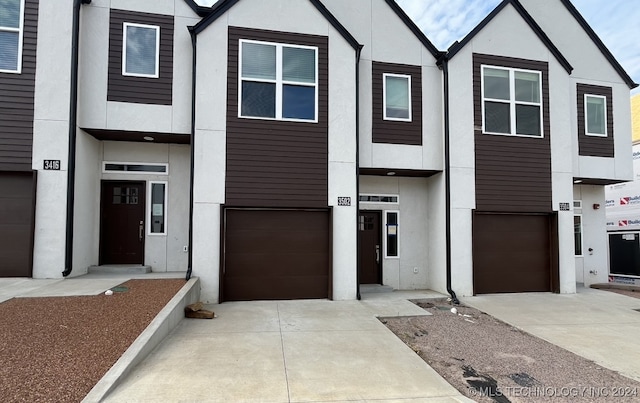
(276, 163)
(593, 145)
(513, 173)
(143, 90)
(394, 132)
(17, 212)
(17, 99)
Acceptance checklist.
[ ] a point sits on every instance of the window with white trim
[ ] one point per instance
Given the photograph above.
(595, 115)
(278, 81)
(11, 33)
(141, 50)
(397, 97)
(391, 225)
(157, 207)
(511, 101)
(577, 234)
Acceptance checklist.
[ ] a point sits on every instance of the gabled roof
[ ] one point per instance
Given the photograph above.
(414, 28)
(457, 46)
(223, 6)
(596, 40)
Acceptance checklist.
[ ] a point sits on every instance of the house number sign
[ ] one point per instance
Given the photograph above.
(565, 207)
(51, 165)
(344, 201)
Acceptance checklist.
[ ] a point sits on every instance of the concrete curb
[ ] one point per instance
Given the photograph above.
(166, 320)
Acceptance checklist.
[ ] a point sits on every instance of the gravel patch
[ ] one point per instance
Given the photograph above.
(55, 349)
(490, 361)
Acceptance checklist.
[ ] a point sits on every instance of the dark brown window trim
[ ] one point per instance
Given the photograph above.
(595, 146)
(396, 131)
(143, 90)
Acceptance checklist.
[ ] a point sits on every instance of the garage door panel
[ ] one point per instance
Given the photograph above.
(282, 264)
(16, 223)
(266, 241)
(276, 254)
(511, 253)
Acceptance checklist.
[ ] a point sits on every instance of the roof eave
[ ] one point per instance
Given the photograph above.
(414, 28)
(598, 42)
(457, 46)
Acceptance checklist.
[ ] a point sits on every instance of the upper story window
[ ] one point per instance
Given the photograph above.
(278, 81)
(595, 107)
(141, 52)
(397, 97)
(11, 32)
(511, 101)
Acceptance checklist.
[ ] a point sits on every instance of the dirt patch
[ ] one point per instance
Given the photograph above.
(490, 361)
(55, 349)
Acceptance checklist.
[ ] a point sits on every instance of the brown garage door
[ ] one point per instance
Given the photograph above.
(16, 223)
(513, 253)
(275, 254)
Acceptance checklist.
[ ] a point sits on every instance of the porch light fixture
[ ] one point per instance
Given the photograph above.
(148, 138)
(391, 173)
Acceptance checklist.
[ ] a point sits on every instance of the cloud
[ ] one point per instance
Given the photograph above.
(445, 21)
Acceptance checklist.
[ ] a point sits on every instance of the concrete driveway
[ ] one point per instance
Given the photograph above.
(290, 351)
(599, 325)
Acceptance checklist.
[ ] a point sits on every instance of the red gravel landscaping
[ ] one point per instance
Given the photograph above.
(55, 349)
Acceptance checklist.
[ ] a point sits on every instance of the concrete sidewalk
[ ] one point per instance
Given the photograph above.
(601, 326)
(290, 351)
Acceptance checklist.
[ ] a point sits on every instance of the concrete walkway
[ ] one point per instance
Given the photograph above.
(290, 351)
(599, 325)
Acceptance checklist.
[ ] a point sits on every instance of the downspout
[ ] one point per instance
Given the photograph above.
(194, 42)
(358, 53)
(447, 179)
(73, 113)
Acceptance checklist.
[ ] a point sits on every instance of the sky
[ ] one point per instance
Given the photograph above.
(617, 23)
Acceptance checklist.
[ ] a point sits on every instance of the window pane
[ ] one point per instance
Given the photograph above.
(527, 87)
(258, 61)
(577, 234)
(9, 50)
(10, 13)
(299, 65)
(141, 50)
(497, 117)
(596, 115)
(298, 102)
(397, 97)
(258, 99)
(157, 208)
(392, 234)
(528, 120)
(496, 84)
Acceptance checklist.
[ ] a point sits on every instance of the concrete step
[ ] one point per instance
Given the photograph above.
(120, 268)
(371, 288)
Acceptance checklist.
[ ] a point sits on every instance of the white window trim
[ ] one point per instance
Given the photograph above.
(384, 97)
(20, 31)
(155, 164)
(150, 207)
(384, 234)
(586, 116)
(512, 101)
(581, 236)
(124, 50)
(379, 195)
(279, 82)
(577, 204)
